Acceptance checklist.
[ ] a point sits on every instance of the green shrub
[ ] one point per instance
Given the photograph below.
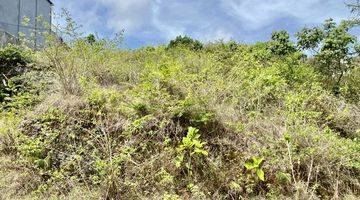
(13, 60)
(350, 88)
(185, 42)
(280, 43)
(191, 145)
(333, 47)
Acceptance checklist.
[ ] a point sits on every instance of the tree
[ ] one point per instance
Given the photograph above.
(333, 48)
(90, 39)
(280, 43)
(185, 41)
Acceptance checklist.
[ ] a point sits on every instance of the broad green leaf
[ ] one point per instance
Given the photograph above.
(260, 173)
(200, 151)
(257, 161)
(249, 165)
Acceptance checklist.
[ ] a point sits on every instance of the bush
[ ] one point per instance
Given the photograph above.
(334, 48)
(185, 42)
(350, 88)
(280, 43)
(13, 60)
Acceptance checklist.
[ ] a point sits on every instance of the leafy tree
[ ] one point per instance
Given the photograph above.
(90, 39)
(280, 43)
(185, 41)
(333, 48)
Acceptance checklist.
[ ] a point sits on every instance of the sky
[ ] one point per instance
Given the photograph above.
(154, 22)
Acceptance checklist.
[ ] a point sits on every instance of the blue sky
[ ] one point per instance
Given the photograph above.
(152, 22)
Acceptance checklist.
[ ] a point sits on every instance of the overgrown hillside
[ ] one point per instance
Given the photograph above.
(187, 121)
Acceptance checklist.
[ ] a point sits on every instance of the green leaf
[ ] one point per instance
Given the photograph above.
(249, 165)
(178, 160)
(260, 173)
(200, 151)
(257, 161)
(192, 131)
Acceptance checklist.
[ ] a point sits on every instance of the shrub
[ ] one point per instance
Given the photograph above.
(13, 60)
(185, 42)
(280, 43)
(350, 87)
(333, 47)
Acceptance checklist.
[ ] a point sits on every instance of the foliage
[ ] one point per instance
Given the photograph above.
(255, 164)
(90, 39)
(280, 43)
(351, 85)
(121, 124)
(190, 146)
(13, 61)
(334, 48)
(185, 42)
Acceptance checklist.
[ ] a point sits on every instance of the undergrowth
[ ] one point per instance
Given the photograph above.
(226, 121)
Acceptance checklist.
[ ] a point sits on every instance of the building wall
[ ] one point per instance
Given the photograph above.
(9, 16)
(27, 10)
(13, 12)
(43, 10)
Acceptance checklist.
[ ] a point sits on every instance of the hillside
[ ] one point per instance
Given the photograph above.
(191, 121)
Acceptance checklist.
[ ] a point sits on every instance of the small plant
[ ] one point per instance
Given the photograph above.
(255, 165)
(191, 145)
(196, 192)
(164, 178)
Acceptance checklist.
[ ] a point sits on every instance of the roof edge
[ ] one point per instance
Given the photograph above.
(50, 1)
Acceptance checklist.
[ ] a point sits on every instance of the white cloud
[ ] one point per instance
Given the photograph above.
(162, 20)
(214, 35)
(255, 14)
(80, 14)
(168, 31)
(129, 14)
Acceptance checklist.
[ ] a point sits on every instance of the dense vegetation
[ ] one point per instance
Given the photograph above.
(183, 121)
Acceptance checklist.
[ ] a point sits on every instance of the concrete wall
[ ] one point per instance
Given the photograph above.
(43, 10)
(13, 12)
(9, 16)
(27, 10)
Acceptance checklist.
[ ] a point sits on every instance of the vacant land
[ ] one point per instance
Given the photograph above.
(185, 121)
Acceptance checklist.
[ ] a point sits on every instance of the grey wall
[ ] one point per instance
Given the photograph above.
(11, 20)
(9, 17)
(43, 10)
(28, 10)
